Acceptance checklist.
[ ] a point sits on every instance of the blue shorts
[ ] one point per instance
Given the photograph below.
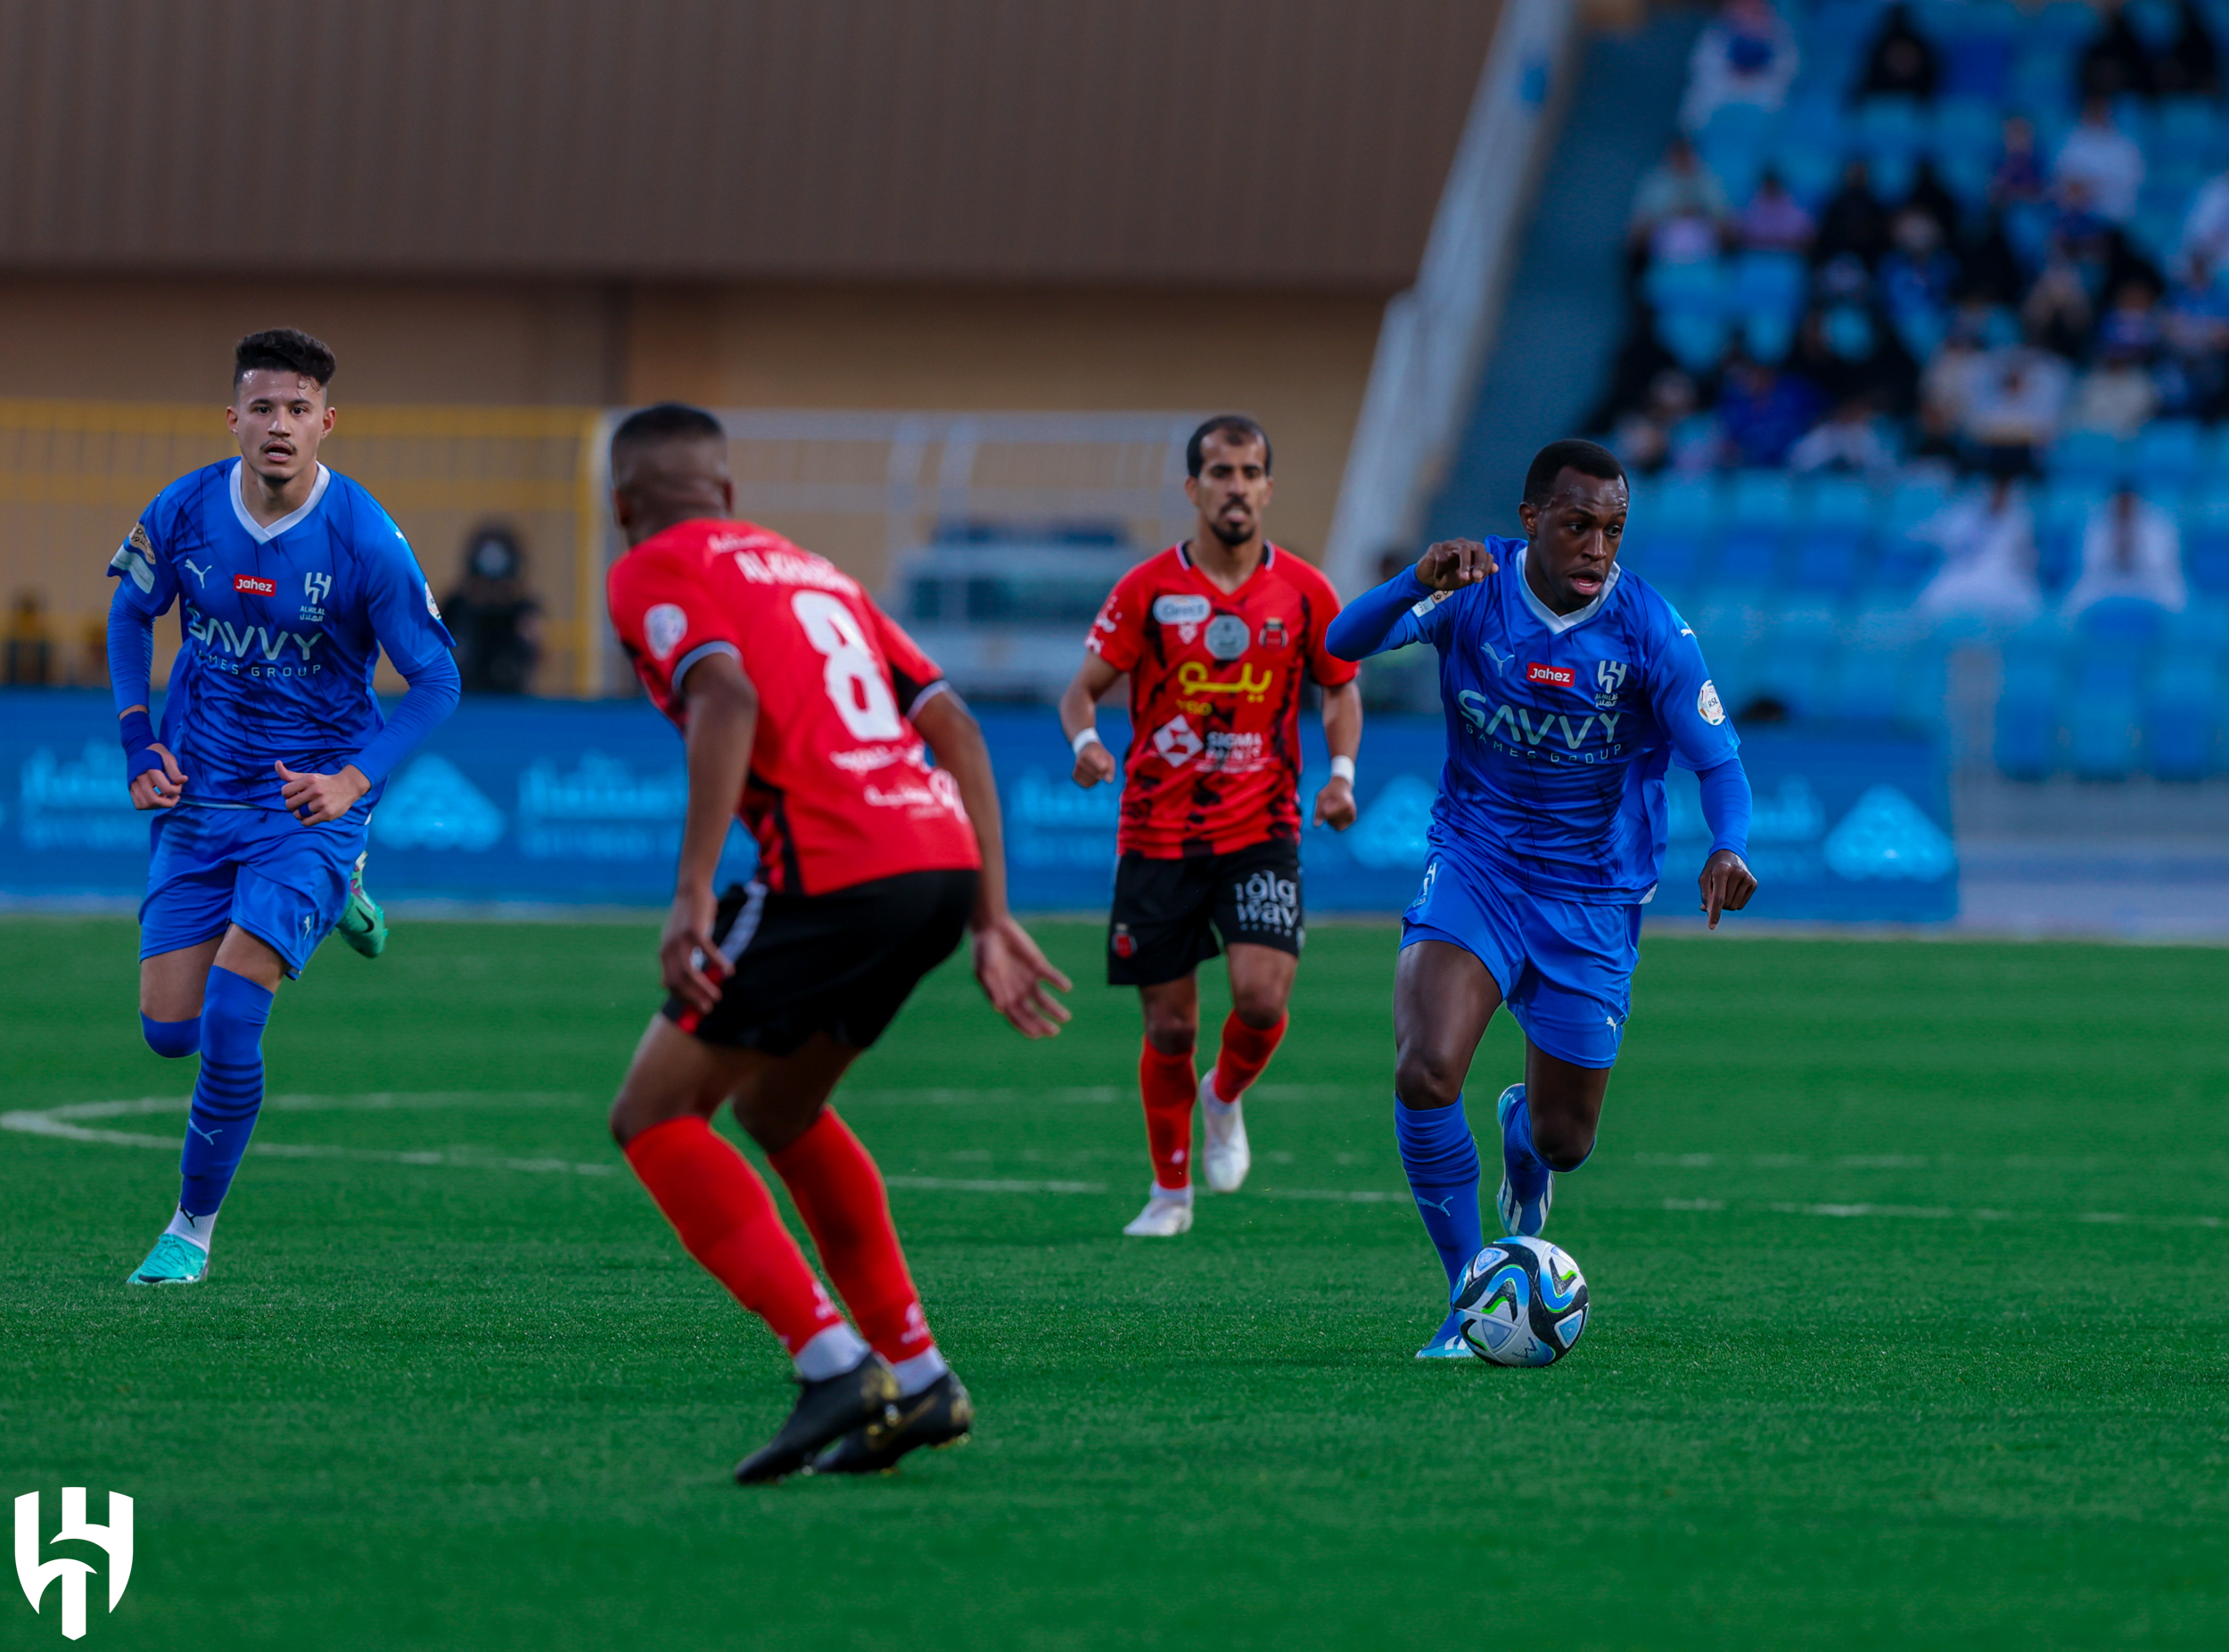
(1566, 970)
(285, 883)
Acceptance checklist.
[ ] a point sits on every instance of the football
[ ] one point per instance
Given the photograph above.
(1523, 1301)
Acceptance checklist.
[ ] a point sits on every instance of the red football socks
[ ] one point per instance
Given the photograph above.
(1246, 1051)
(839, 1192)
(727, 1221)
(1169, 1086)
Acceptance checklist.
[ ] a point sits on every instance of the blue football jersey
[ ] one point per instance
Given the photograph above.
(282, 628)
(1560, 728)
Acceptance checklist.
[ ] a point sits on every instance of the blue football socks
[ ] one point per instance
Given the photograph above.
(1442, 1163)
(172, 1039)
(1521, 1162)
(229, 1091)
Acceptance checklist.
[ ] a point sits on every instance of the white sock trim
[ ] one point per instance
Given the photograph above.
(830, 1353)
(194, 1229)
(1170, 1195)
(918, 1372)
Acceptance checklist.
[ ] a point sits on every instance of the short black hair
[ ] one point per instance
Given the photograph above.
(283, 349)
(1230, 427)
(1589, 458)
(665, 421)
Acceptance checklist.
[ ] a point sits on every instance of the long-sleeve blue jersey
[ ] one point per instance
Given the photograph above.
(282, 627)
(1559, 727)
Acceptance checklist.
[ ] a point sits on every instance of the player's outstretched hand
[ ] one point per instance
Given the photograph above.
(1452, 563)
(1094, 764)
(687, 958)
(159, 788)
(1727, 885)
(314, 798)
(1335, 804)
(1014, 975)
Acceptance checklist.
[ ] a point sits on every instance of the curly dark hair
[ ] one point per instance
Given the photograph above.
(283, 349)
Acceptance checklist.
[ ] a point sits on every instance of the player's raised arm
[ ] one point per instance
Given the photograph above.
(1405, 609)
(1012, 970)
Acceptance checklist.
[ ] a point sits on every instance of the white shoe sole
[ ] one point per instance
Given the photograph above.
(1161, 1219)
(1225, 1155)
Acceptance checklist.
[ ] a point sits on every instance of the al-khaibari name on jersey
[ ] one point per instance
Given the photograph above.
(282, 627)
(1215, 698)
(840, 791)
(1560, 728)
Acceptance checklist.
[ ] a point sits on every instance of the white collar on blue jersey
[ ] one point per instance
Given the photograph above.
(292, 519)
(1559, 623)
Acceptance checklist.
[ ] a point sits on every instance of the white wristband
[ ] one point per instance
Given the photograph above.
(1343, 768)
(1089, 737)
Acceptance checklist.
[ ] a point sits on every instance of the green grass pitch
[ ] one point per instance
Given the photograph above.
(1910, 1284)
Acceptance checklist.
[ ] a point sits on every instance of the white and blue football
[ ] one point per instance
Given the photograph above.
(1523, 1301)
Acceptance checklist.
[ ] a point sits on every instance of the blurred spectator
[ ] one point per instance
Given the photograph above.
(1852, 223)
(1678, 186)
(1745, 56)
(2102, 160)
(29, 660)
(2019, 175)
(1668, 431)
(92, 656)
(1774, 220)
(2130, 550)
(2205, 226)
(1928, 194)
(1848, 350)
(2059, 311)
(2189, 64)
(1901, 62)
(1763, 413)
(1849, 438)
(1989, 542)
(2013, 405)
(496, 622)
(1989, 273)
(1917, 278)
(2114, 63)
(2194, 339)
(2131, 324)
(2115, 396)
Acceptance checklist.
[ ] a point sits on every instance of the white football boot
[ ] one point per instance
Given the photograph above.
(1163, 1217)
(1227, 1158)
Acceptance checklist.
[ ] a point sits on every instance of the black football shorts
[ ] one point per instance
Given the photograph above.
(843, 963)
(1167, 913)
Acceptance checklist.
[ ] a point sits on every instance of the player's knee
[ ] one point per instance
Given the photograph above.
(1261, 1008)
(1423, 1081)
(1171, 1032)
(171, 1039)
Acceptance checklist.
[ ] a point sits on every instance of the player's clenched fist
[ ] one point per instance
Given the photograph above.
(1335, 804)
(1453, 564)
(158, 788)
(1094, 763)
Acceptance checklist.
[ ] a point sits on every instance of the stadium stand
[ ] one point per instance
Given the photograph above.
(1929, 350)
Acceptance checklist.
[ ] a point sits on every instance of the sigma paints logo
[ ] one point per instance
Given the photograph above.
(114, 1540)
(1562, 676)
(250, 585)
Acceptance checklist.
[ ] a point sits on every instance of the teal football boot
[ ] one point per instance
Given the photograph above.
(363, 925)
(1528, 1187)
(174, 1261)
(1447, 1343)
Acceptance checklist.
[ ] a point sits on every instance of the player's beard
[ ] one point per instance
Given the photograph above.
(1232, 534)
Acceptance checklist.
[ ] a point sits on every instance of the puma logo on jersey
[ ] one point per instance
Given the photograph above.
(251, 586)
(199, 572)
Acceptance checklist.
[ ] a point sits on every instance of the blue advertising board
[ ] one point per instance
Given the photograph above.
(546, 801)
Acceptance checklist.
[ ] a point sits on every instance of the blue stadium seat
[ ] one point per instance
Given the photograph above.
(2102, 725)
(1977, 66)
(2201, 625)
(1760, 506)
(1890, 126)
(2166, 454)
(2042, 79)
(1834, 524)
(2028, 706)
(1809, 169)
(1864, 688)
(2085, 456)
(1769, 281)
(2117, 630)
(1797, 670)
(2179, 711)
(1696, 342)
(1919, 685)
(1671, 523)
(2060, 516)
(1691, 289)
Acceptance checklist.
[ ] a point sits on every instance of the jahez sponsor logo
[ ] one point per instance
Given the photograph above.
(1562, 676)
(253, 586)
